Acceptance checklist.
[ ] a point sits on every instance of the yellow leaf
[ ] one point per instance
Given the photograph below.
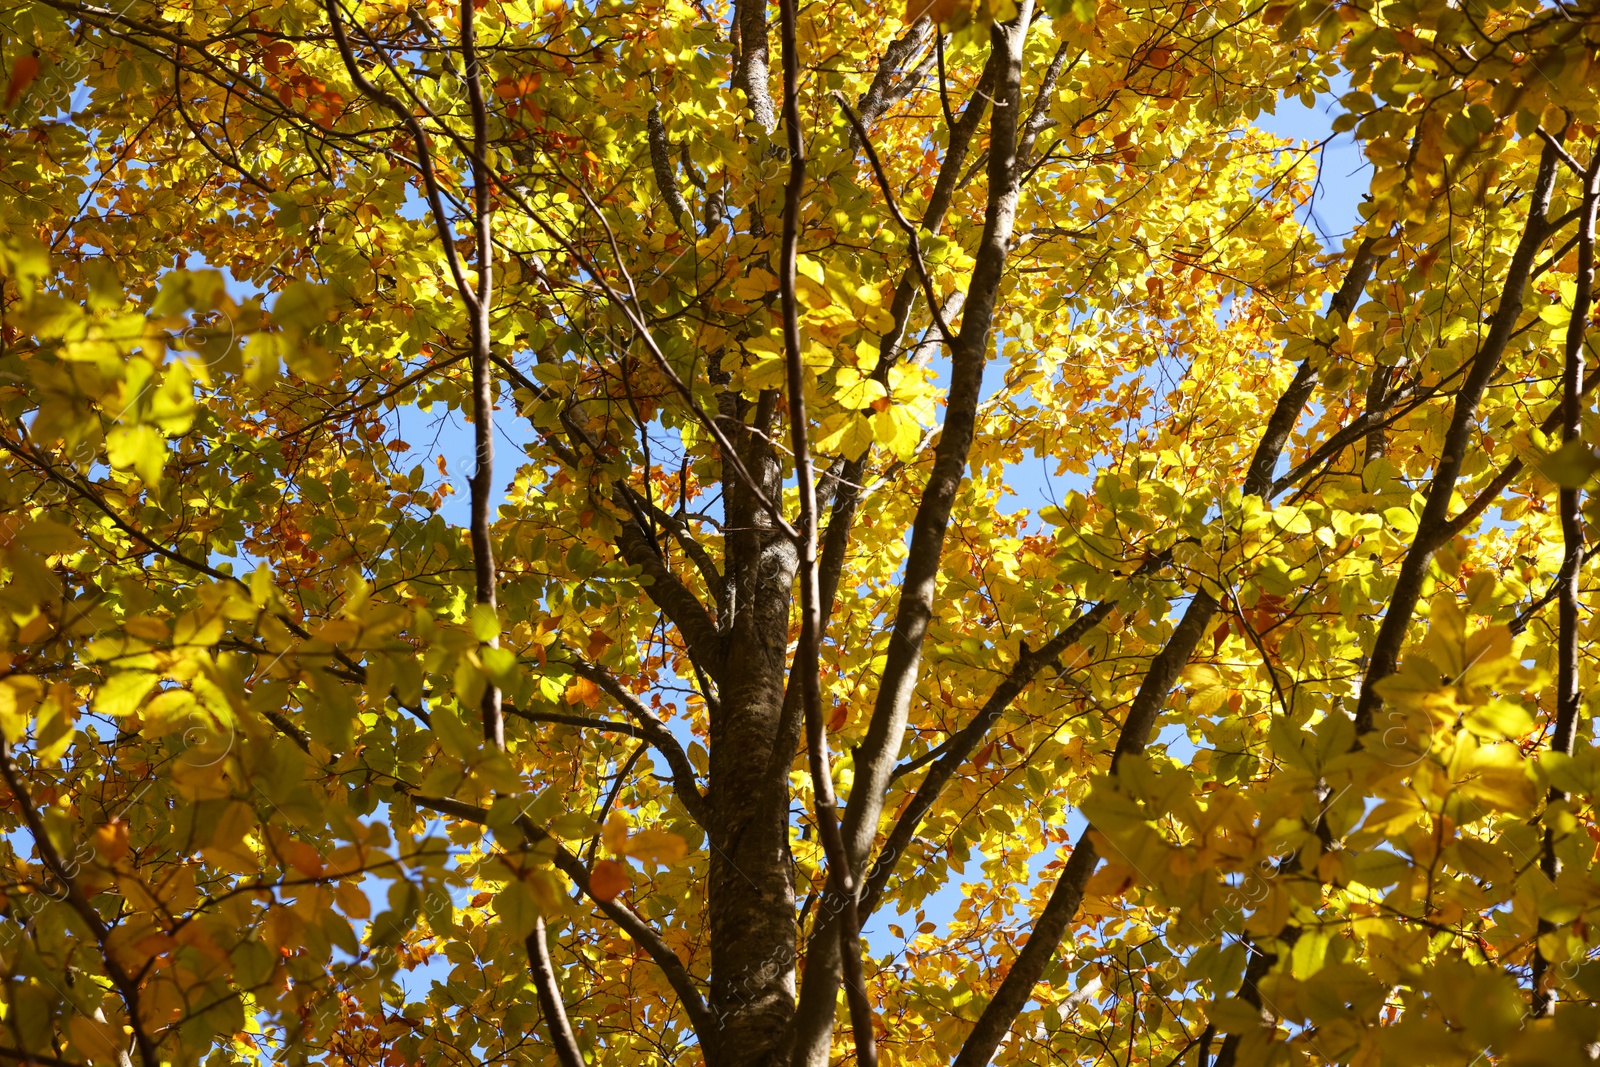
(172, 405)
(657, 846)
(18, 695)
(95, 1038)
(898, 431)
(755, 285)
(845, 433)
(122, 693)
(337, 631)
(140, 449)
(147, 628)
(812, 294)
(615, 834)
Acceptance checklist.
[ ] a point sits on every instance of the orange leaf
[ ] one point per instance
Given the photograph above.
(303, 858)
(22, 74)
(937, 10)
(111, 840)
(582, 691)
(1219, 635)
(607, 880)
(841, 715)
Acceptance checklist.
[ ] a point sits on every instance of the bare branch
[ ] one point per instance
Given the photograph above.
(1162, 675)
(555, 1013)
(1434, 524)
(126, 984)
(661, 165)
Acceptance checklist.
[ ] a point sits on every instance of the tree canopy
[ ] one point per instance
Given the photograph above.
(528, 526)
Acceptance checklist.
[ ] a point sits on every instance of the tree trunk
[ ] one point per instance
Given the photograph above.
(751, 888)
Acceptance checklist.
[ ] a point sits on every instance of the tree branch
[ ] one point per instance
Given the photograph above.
(661, 165)
(483, 565)
(887, 89)
(963, 742)
(652, 729)
(126, 985)
(874, 759)
(1569, 696)
(567, 863)
(681, 607)
(1434, 525)
(1067, 895)
(555, 1013)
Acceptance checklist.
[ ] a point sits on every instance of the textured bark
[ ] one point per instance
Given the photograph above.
(847, 494)
(875, 759)
(751, 886)
(888, 86)
(479, 306)
(752, 70)
(549, 994)
(661, 167)
(1377, 407)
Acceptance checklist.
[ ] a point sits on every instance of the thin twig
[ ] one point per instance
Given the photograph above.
(900, 220)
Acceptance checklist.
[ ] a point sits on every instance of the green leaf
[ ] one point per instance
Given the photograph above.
(1401, 520)
(485, 622)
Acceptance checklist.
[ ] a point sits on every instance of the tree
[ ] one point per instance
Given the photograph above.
(1268, 740)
